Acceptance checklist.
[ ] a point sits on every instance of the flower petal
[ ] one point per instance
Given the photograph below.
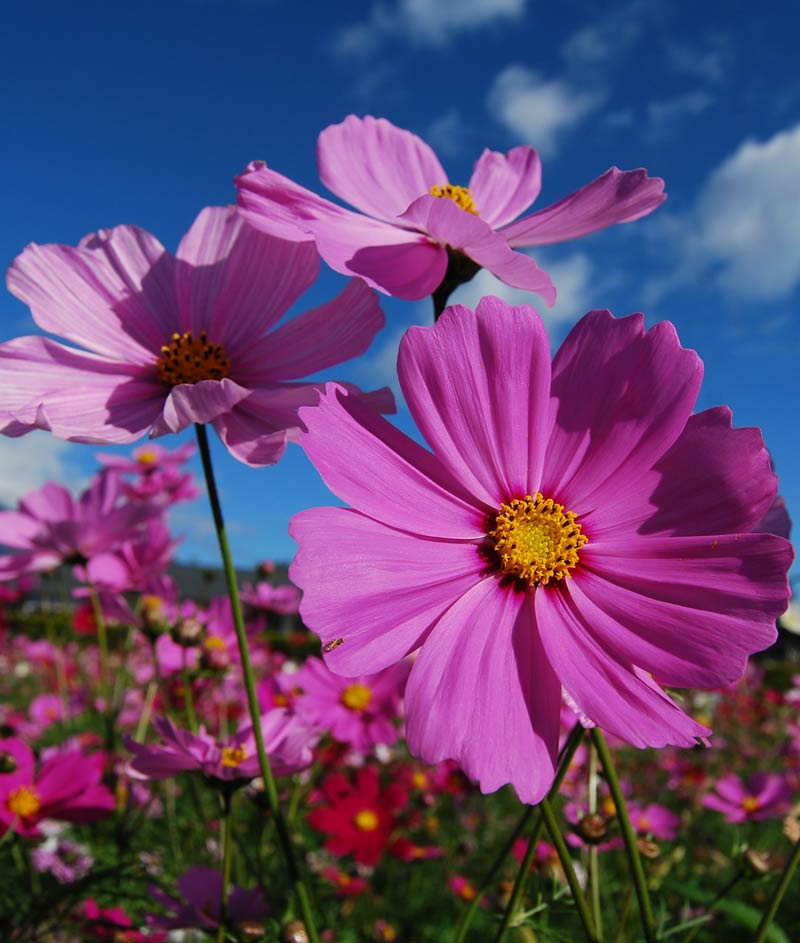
(236, 282)
(620, 399)
(610, 691)
(451, 226)
(375, 166)
(482, 692)
(397, 586)
(421, 497)
(505, 185)
(321, 338)
(477, 386)
(113, 295)
(618, 196)
(201, 402)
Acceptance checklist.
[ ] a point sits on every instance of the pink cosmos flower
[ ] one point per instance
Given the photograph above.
(573, 525)
(410, 217)
(763, 796)
(358, 711)
(67, 787)
(285, 738)
(172, 341)
(654, 819)
(264, 597)
(157, 473)
(50, 527)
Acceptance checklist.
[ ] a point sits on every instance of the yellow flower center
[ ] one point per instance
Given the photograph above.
(459, 195)
(366, 820)
(467, 891)
(215, 642)
(608, 807)
(419, 780)
(234, 756)
(148, 456)
(280, 700)
(750, 803)
(536, 540)
(356, 697)
(189, 360)
(23, 802)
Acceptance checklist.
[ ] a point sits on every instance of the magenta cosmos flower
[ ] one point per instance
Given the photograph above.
(763, 796)
(409, 214)
(172, 341)
(572, 526)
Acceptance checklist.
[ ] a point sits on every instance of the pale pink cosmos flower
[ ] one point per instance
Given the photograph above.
(174, 340)
(412, 223)
(573, 525)
(157, 474)
(264, 597)
(762, 796)
(359, 711)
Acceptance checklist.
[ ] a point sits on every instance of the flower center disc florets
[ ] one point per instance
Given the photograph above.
(23, 802)
(232, 757)
(459, 195)
(536, 540)
(189, 359)
(356, 697)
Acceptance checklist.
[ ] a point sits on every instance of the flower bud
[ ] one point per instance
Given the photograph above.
(593, 828)
(756, 862)
(152, 615)
(251, 930)
(8, 763)
(187, 632)
(295, 932)
(648, 849)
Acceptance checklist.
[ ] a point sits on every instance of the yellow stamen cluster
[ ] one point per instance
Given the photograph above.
(459, 195)
(536, 540)
(214, 643)
(356, 697)
(148, 456)
(366, 820)
(189, 360)
(750, 803)
(234, 756)
(23, 802)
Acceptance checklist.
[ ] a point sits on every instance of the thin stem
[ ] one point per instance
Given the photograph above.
(569, 871)
(628, 835)
(594, 862)
(102, 642)
(722, 893)
(777, 895)
(570, 747)
(188, 695)
(619, 936)
(270, 788)
(147, 710)
(227, 848)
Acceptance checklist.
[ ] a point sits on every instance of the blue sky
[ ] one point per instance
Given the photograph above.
(143, 113)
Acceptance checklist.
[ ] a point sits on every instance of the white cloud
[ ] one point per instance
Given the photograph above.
(539, 111)
(745, 222)
(664, 115)
(710, 62)
(573, 276)
(421, 22)
(607, 39)
(30, 461)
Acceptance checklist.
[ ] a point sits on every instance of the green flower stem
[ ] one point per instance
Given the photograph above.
(188, 695)
(628, 835)
(570, 747)
(569, 871)
(594, 857)
(102, 642)
(777, 895)
(270, 787)
(227, 848)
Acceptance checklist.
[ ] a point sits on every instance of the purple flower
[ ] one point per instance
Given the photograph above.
(201, 890)
(763, 796)
(410, 215)
(264, 597)
(286, 740)
(158, 476)
(574, 525)
(171, 341)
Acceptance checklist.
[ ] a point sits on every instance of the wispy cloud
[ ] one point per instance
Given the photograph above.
(710, 60)
(29, 462)
(421, 23)
(605, 41)
(664, 116)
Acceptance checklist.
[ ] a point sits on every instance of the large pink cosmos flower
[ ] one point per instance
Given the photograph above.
(409, 212)
(574, 525)
(172, 341)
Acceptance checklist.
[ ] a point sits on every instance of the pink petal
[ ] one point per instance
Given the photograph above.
(482, 693)
(714, 479)
(394, 260)
(620, 398)
(477, 386)
(615, 197)
(607, 689)
(236, 282)
(321, 338)
(190, 403)
(376, 167)
(422, 497)
(113, 295)
(396, 588)
(76, 395)
(451, 226)
(505, 185)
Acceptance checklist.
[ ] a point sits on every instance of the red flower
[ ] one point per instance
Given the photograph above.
(360, 817)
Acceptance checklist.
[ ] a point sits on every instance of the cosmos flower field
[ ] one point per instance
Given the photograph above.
(524, 683)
